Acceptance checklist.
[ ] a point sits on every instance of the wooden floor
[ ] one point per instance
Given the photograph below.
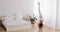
(34, 28)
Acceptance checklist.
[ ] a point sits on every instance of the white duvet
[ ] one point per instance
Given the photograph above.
(10, 23)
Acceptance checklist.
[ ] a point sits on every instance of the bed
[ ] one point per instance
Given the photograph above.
(17, 24)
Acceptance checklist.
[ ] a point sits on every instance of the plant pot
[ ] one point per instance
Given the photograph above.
(32, 22)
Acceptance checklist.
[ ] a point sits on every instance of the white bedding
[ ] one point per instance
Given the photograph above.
(18, 24)
(15, 22)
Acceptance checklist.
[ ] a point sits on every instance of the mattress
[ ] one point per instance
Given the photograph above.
(18, 27)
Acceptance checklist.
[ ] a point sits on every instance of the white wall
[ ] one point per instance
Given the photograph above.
(19, 7)
(16, 7)
(11, 7)
(48, 10)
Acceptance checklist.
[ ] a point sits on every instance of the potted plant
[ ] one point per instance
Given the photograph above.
(32, 19)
